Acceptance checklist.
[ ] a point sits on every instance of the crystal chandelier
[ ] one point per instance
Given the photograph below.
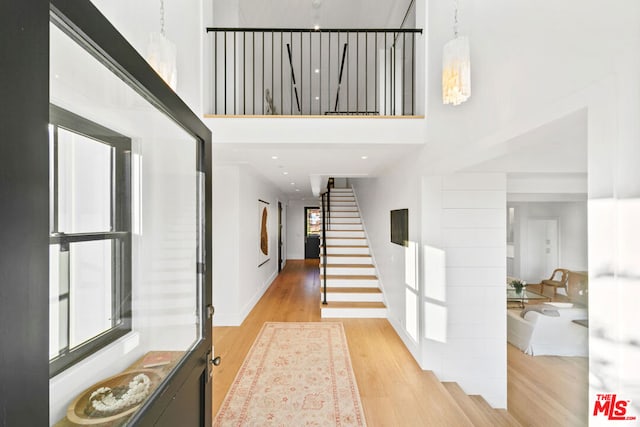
(161, 54)
(456, 67)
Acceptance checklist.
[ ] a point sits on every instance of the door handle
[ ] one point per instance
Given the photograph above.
(211, 363)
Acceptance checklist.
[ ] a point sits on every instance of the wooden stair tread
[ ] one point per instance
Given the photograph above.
(353, 290)
(347, 265)
(347, 255)
(478, 415)
(508, 418)
(344, 246)
(492, 414)
(348, 277)
(353, 304)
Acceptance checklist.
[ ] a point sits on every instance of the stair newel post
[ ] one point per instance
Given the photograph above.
(324, 247)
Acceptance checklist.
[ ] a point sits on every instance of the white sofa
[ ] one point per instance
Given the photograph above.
(539, 334)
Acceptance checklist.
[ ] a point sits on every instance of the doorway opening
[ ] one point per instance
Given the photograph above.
(279, 237)
(312, 228)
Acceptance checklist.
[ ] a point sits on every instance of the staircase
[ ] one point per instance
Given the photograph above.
(477, 410)
(352, 284)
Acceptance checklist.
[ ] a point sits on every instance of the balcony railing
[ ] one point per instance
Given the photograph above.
(258, 71)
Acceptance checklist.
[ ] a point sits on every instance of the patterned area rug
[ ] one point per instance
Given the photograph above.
(296, 374)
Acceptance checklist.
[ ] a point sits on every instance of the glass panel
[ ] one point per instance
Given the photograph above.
(91, 274)
(54, 292)
(314, 224)
(63, 324)
(84, 184)
(162, 304)
(52, 188)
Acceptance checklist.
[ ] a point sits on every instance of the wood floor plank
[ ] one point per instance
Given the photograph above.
(394, 390)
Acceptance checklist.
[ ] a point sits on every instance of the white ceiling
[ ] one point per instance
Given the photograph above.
(559, 146)
(304, 162)
(326, 13)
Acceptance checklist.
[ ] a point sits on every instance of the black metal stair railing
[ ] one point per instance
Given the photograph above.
(293, 71)
(326, 219)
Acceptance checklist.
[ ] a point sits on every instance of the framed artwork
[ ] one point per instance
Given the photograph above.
(400, 227)
(263, 232)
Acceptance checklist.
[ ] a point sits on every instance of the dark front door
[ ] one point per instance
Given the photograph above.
(29, 158)
(312, 230)
(279, 237)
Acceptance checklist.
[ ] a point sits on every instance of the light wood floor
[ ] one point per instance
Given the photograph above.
(543, 391)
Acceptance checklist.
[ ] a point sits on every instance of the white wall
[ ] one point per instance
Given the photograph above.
(572, 225)
(295, 227)
(226, 247)
(464, 270)
(238, 281)
(396, 189)
(456, 326)
(534, 62)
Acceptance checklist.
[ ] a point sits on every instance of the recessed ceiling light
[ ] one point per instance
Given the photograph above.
(364, 157)
(292, 183)
(285, 173)
(317, 98)
(274, 157)
(317, 70)
(316, 27)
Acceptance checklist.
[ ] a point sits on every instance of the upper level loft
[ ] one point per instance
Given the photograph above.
(313, 72)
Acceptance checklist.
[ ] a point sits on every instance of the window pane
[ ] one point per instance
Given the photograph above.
(84, 184)
(90, 271)
(63, 323)
(54, 297)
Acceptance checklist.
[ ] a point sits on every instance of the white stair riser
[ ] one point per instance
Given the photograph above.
(335, 200)
(361, 250)
(346, 242)
(354, 313)
(352, 226)
(340, 215)
(352, 297)
(351, 283)
(350, 271)
(339, 205)
(346, 260)
(339, 210)
(352, 220)
(342, 233)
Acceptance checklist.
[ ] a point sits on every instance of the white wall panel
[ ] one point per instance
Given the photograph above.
(473, 218)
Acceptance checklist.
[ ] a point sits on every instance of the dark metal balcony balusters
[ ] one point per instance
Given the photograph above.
(372, 71)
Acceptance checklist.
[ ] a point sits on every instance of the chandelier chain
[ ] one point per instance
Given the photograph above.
(162, 17)
(455, 19)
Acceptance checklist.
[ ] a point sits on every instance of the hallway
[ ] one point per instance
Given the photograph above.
(393, 388)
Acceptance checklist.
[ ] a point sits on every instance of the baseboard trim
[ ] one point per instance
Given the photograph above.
(411, 345)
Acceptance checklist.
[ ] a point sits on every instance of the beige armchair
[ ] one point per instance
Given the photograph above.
(558, 279)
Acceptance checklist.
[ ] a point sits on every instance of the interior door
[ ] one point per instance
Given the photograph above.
(167, 309)
(312, 230)
(542, 249)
